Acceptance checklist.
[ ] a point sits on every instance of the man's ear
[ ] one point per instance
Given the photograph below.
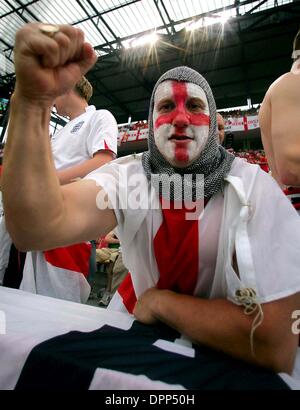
(296, 67)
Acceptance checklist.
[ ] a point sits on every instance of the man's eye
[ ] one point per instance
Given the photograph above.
(195, 106)
(168, 106)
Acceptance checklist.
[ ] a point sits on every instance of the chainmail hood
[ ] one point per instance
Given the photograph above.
(214, 161)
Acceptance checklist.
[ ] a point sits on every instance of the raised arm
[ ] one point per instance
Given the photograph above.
(39, 213)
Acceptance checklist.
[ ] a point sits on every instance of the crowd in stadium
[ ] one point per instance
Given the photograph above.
(240, 112)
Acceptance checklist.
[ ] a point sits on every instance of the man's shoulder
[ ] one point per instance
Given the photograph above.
(243, 169)
(121, 174)
(103, 114)
(284, 85)
(253, 177)
(131, 163)
(280, 79)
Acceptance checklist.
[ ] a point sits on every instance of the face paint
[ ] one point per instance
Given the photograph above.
(181, 121)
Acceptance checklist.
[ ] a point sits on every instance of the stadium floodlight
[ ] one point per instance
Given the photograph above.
(150, 39)
(220, 18)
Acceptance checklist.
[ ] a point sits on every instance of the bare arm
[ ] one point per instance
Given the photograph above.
(66, 176)
(39, 213)
(280, 124)
(222, 325)
(266, 136)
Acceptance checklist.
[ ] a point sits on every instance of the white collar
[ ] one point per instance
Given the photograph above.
(90, 108)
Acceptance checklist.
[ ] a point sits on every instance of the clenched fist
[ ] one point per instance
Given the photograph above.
(48, 66)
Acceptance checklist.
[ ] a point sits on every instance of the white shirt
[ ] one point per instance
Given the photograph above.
(77, 142)
(82, 137)
(262, 227)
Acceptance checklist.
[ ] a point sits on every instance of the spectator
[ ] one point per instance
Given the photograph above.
(88, 141)
(115, 269)
(279, 119)
(213, 263)
(221, 128)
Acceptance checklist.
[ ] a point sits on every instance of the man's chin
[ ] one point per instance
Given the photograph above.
(180, 163)
(181, 160)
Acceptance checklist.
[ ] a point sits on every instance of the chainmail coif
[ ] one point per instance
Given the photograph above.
(214, 161)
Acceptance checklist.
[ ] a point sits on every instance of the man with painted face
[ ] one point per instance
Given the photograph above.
(205, 275)
(180, 121)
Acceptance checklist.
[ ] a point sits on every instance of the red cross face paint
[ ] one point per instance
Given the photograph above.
(181, 122)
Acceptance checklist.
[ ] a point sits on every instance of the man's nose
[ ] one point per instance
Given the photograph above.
(181, 119)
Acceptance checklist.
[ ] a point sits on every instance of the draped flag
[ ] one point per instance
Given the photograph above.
(60, 273)
(53, 344)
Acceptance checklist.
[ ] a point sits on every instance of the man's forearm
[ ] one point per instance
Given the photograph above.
(81, 170)
(220, 324)
(31, 192)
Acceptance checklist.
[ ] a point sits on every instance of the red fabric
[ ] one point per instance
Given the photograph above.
(74, 258)
(291, 190)
(106, 146)
(296, 200)
(264, 166)
(127, 293)
(102, 243)
(180, 96)
(176, 248)
(245, 120)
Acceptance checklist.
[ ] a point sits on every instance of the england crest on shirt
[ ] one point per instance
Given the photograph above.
(77, 127)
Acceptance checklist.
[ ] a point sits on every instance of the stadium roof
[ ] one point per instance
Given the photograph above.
(240, 46)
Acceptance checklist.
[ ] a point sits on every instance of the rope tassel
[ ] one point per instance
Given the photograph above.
(247, 298)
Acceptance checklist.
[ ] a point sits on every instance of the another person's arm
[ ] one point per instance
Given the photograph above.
(81, 170)
(279, 119)
(39, 213)
(222, 325)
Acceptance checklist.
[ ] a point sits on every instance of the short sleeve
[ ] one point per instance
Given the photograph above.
(124, 182)
(103, 133)
(274, 233)
(108, 177)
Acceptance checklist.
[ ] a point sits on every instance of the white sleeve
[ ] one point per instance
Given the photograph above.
(108, 177)
(274, 233)
(103, 133)
(115, 179)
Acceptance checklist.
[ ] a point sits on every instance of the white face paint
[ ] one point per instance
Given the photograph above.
(181, 122)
